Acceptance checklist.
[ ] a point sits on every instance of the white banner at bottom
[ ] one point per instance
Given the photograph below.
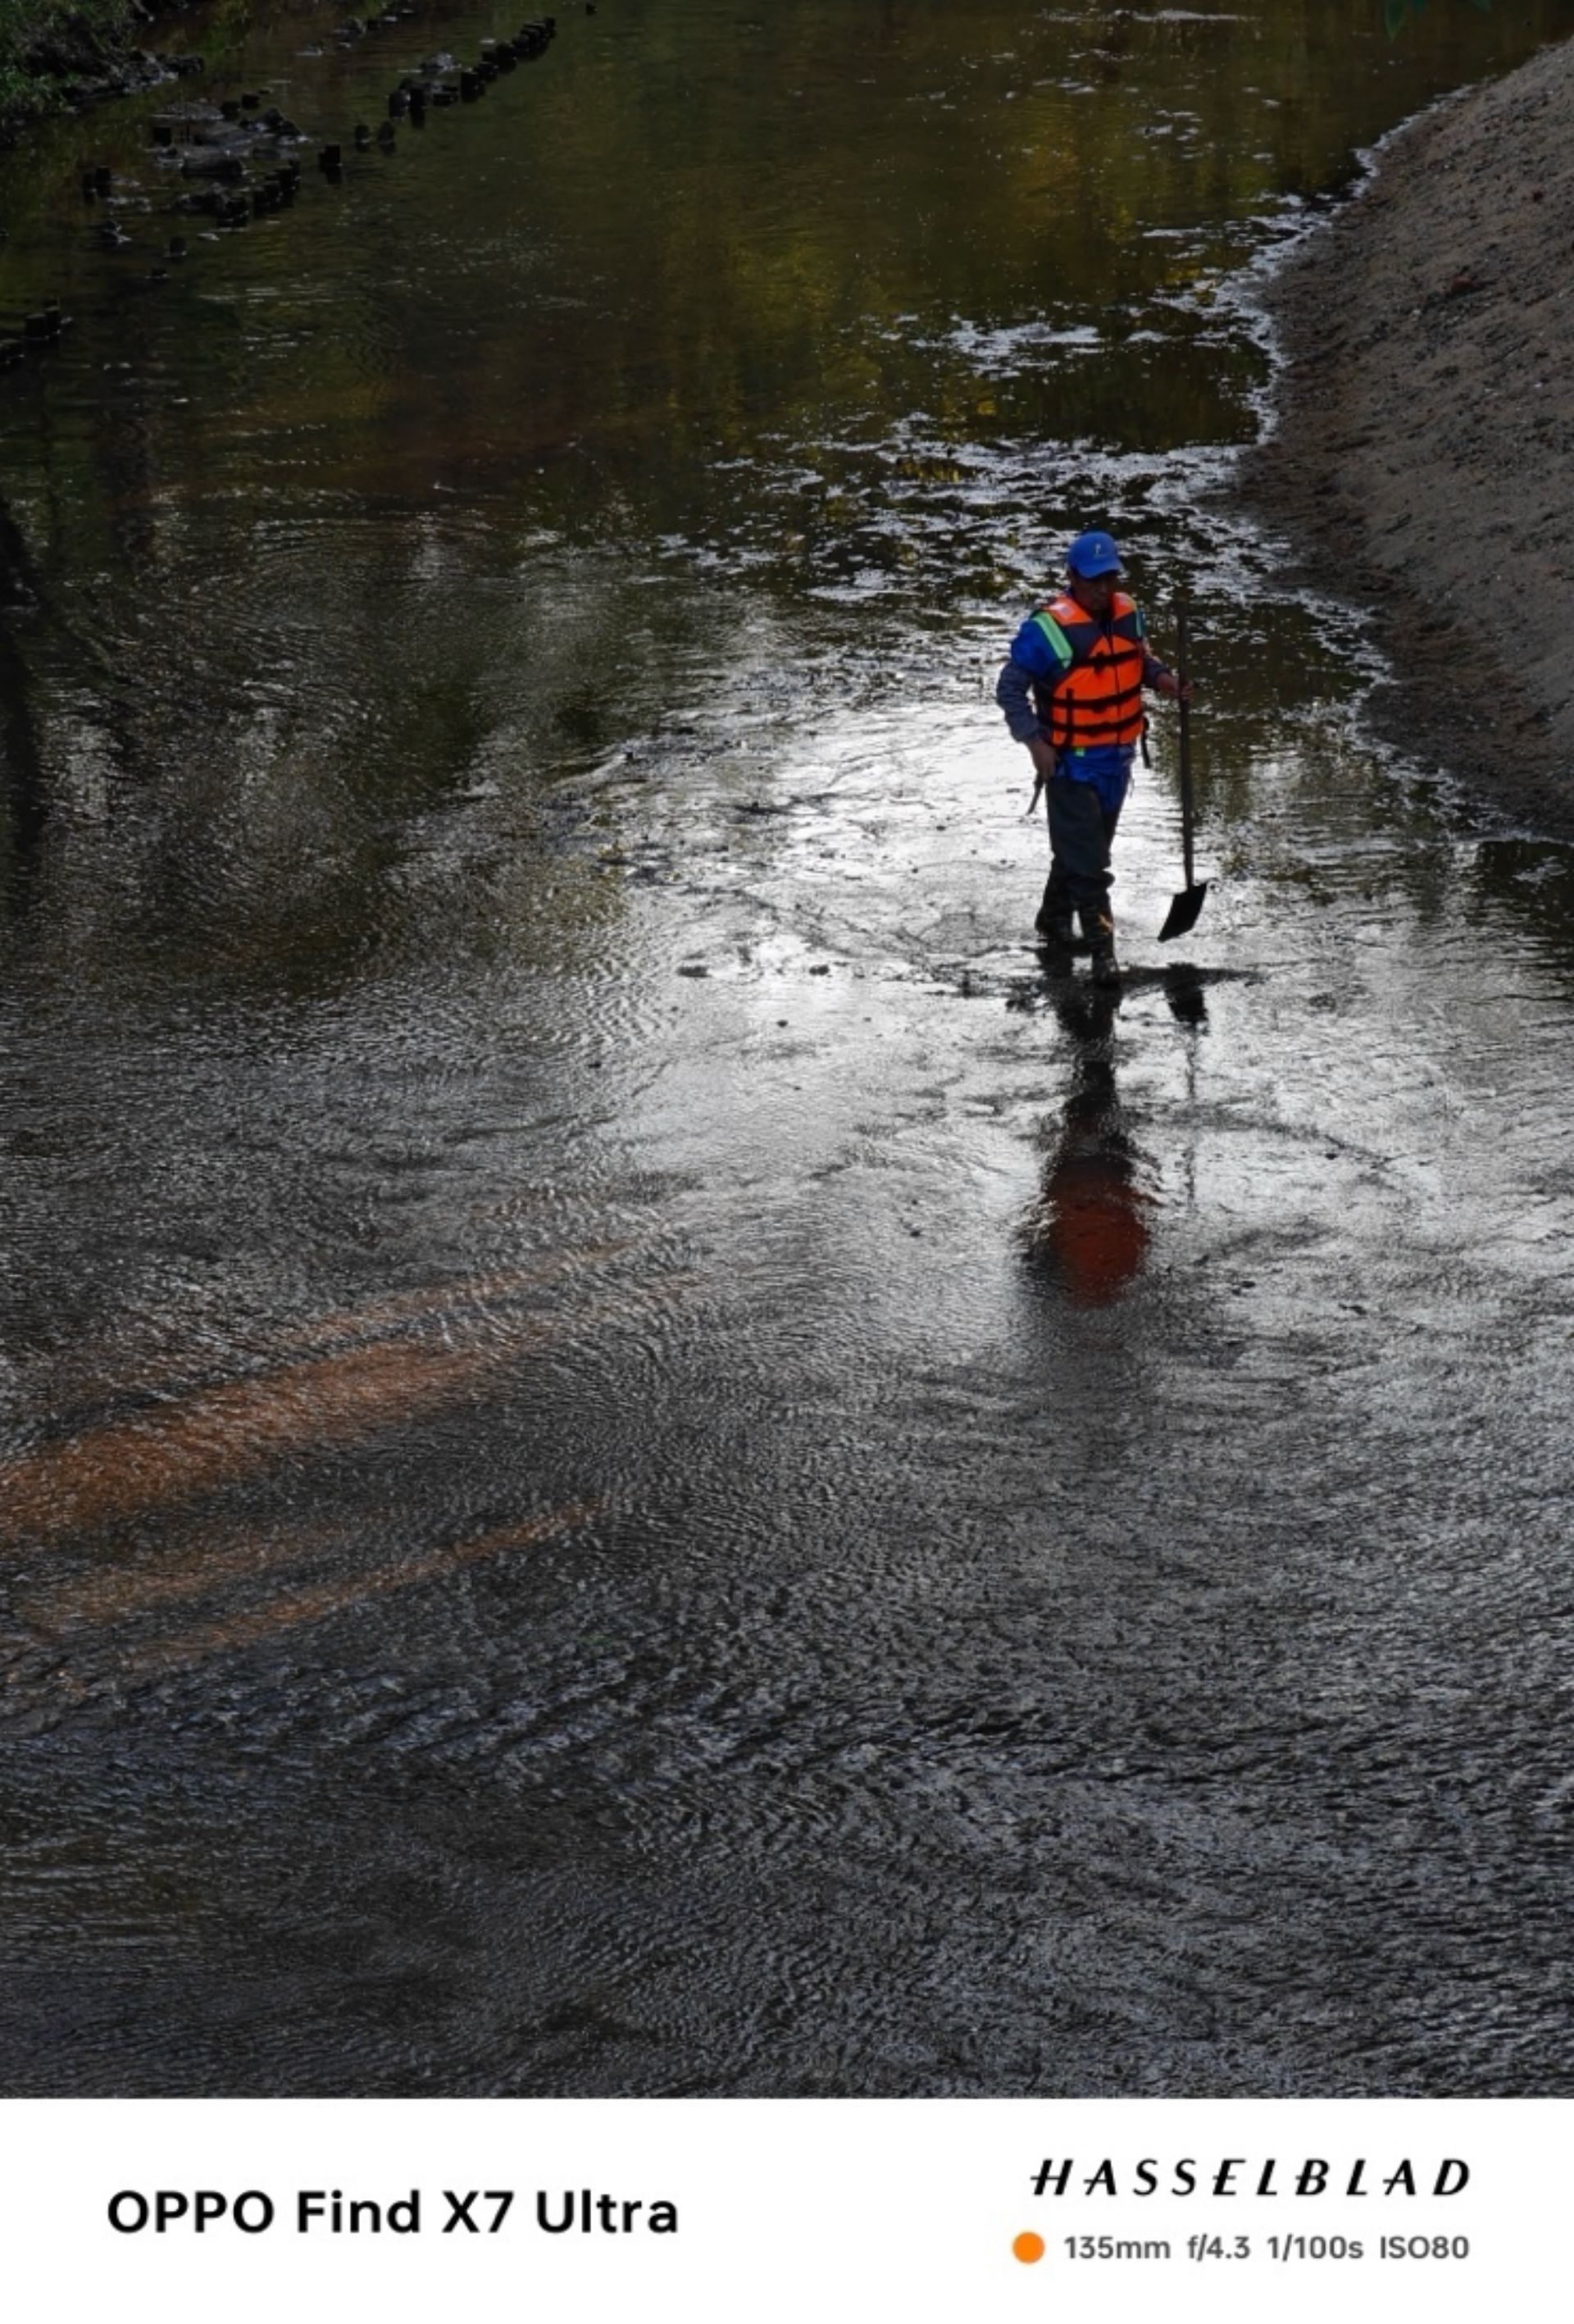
(1079, 2211)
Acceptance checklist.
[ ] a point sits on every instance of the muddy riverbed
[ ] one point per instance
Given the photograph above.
(1423, 462)
(637, 1457)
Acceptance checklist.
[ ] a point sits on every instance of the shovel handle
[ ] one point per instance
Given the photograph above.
(1182, 658)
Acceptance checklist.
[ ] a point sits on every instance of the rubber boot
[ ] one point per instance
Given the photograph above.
(1053, 923)
(1100, 930)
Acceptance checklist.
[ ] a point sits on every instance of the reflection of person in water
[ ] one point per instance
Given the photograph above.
(1089, 1228)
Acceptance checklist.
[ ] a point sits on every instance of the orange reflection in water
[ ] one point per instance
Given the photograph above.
(1095, 1226)
(81, 1617)
(314, 1601)
(173, 1452)
(1090, 1226)
(184, 1446)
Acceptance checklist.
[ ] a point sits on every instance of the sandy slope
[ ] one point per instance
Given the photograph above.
(1425, 456)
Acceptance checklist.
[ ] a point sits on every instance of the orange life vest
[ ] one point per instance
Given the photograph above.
(1096, 700)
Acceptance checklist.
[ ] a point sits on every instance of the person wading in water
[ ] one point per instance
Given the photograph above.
(1071, 691)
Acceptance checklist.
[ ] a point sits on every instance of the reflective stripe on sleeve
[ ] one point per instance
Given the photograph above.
(1055, 638)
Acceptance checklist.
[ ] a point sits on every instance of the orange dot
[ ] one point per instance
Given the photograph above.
(1028, 2247)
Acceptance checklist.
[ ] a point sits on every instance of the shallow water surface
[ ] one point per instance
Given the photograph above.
(637, 1457)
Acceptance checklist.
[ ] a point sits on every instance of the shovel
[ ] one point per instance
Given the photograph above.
(1184, 908)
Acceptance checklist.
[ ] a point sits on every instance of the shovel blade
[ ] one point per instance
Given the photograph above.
(1183, 912)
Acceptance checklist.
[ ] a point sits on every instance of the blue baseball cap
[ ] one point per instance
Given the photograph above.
(1091, 554)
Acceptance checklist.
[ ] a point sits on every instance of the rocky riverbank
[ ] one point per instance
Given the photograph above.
(1424, 458)
(53, 56)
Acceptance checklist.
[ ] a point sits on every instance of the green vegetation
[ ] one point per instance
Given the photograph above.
(47, 45)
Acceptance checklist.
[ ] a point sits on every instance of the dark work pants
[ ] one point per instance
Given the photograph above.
(1081, 832)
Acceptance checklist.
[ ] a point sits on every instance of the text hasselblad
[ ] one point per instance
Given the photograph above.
(329, 2212)
(1238, 2174)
